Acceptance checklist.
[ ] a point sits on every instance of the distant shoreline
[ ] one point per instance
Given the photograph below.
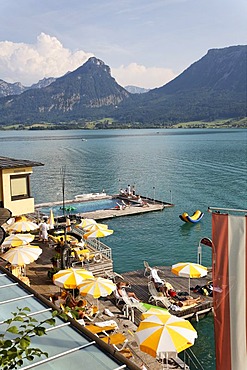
(99, 125)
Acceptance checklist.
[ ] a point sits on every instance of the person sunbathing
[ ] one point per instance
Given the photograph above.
(188, 301)
(59, 298)
(70, 301)
(122, 285)
(159, 284)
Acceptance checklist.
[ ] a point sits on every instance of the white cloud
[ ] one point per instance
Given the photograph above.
(139, 75)
(28, 63)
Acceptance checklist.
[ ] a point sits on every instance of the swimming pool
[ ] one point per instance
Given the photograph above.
(79, 207)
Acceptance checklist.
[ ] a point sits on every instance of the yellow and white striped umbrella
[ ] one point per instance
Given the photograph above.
(86, 222)
(98, 287)
(96, 227)
(22, 255)
(71, 278)
(22, 224)
(189, 270)
(97, 233)
(165, 336)
(15, 240)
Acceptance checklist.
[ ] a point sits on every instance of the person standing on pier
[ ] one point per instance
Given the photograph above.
(133, 190)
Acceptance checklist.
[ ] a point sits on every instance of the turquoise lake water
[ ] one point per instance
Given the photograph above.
(193, 169)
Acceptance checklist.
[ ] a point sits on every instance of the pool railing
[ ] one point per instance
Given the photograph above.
(95, 243)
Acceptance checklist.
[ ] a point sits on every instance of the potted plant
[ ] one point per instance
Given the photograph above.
(55, 260)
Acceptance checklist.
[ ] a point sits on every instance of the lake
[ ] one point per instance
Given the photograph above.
(194, 169)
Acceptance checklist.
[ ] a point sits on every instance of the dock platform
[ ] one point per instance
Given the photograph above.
(132, 207)
(42, 284)
(128, 211)
(139, 285)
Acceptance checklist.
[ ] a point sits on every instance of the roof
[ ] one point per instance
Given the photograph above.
(6, 163)
(67, 343)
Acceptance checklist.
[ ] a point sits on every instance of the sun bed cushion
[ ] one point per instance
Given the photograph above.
(102, 324)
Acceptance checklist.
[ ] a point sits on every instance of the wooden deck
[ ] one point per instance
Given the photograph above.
(139, 286)
(37, 273)
(42, 284)
(128, 211)
(151, 205)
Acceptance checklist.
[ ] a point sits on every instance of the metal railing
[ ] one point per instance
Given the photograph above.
(191, 359)
(95, 243)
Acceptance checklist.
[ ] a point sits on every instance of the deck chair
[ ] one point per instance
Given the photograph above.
(118, 298)
(126, 352)
(116, 340)
(147, 268)
(102, 327)
(97, 257)
(114, 276)
(77, 263)
(90, 316)
(156, 297)
(129, 306)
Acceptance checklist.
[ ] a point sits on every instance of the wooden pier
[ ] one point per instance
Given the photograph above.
(132, 207)
(128, 211)
(139, 285)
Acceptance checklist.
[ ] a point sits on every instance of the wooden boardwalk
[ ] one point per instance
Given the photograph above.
(37, 273)
(42, 284)
(128, 211)
(151, 205)
(139, 286)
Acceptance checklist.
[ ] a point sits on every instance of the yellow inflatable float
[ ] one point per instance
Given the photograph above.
(196, 217)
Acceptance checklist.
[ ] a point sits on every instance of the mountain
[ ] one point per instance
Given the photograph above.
(11, 88)
(17, 88)
(43, 83)
(78, 94)
(136, 89)
(212, 88)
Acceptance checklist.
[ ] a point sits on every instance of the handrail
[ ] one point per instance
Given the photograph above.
(193, 359)
(94, 243)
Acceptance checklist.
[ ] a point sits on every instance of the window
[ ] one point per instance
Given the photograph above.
(19, 186)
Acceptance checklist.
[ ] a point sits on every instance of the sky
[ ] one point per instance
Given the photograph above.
(145, 43)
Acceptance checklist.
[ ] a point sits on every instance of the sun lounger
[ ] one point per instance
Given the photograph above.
(91, 314)
(157, 297)
(126, 352)
(147, 268)
(118, 298)
(114, 276)
(116, 339)
(106, 323)
(96, 329)
(129, 306)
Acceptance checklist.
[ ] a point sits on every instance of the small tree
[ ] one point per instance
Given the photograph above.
(14, 351)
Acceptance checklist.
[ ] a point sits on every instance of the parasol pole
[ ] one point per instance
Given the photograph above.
(63, 170)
